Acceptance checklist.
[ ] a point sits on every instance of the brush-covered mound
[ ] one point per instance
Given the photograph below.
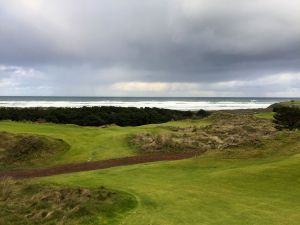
(292, 103)
(227, 130)
(21, 149)
(24, 203)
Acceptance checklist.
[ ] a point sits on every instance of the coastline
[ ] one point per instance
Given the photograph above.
(175, 103)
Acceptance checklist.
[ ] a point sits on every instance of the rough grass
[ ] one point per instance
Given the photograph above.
(21, 149)
(227, 130)
(24, 203)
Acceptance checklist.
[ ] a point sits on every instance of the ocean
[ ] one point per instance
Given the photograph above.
(179, 103)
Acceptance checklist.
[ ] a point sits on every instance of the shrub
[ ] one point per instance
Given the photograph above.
(287, 117)
(97, 116)
(202, 113)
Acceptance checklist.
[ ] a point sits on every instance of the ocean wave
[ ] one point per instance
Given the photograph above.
(178, 105)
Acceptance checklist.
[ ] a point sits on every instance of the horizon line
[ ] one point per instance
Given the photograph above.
(95, 96)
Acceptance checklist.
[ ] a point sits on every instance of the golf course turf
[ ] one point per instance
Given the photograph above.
(241, 185)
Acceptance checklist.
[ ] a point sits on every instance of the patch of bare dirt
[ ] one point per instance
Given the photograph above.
(86, 166)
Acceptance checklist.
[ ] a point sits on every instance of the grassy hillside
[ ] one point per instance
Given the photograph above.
(244, 184)
(87, 143)
(24, 203)
(291, 103)
(20, 150)
(90, 143)
(213, 189)
(294, 103)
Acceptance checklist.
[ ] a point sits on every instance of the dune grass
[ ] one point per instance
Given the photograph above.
(25, 203)
(186, 123)
(22, 150)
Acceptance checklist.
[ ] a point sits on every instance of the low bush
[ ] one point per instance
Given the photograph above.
(98, 116)
(287, 117)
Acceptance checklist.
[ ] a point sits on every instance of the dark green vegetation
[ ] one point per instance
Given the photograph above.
(22, 149)
(287, 116)
(24, 203)
(292, 103)
(97, 116)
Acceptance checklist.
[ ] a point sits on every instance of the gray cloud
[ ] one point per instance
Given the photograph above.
(92, 47)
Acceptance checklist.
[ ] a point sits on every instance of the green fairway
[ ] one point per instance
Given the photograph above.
(87, 143)
(204, 190)
(90, 143)
(265, 115)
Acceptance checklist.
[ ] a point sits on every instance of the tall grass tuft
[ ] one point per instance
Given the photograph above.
(6, 187)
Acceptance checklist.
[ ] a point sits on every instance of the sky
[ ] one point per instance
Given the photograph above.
(202, 48)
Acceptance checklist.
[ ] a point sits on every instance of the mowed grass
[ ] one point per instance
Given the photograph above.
(87, 143)
(265, 115)
(216, 188)
(90, 143)
(204, 190)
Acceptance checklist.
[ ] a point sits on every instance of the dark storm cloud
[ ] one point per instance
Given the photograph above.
(93, 44)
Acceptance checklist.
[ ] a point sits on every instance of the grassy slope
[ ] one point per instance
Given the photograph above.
(90, 143)
(19, 150)
(291, 103)
(206, 190)
(87, 143)
(24, 203)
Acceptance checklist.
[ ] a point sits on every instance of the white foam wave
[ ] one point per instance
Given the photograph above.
(178, 105)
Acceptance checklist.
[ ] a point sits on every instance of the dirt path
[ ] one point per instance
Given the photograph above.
(95, 165)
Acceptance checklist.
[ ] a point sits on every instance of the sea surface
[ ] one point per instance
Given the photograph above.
(179, 103)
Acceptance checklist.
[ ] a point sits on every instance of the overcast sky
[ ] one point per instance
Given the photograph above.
(150, 48)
